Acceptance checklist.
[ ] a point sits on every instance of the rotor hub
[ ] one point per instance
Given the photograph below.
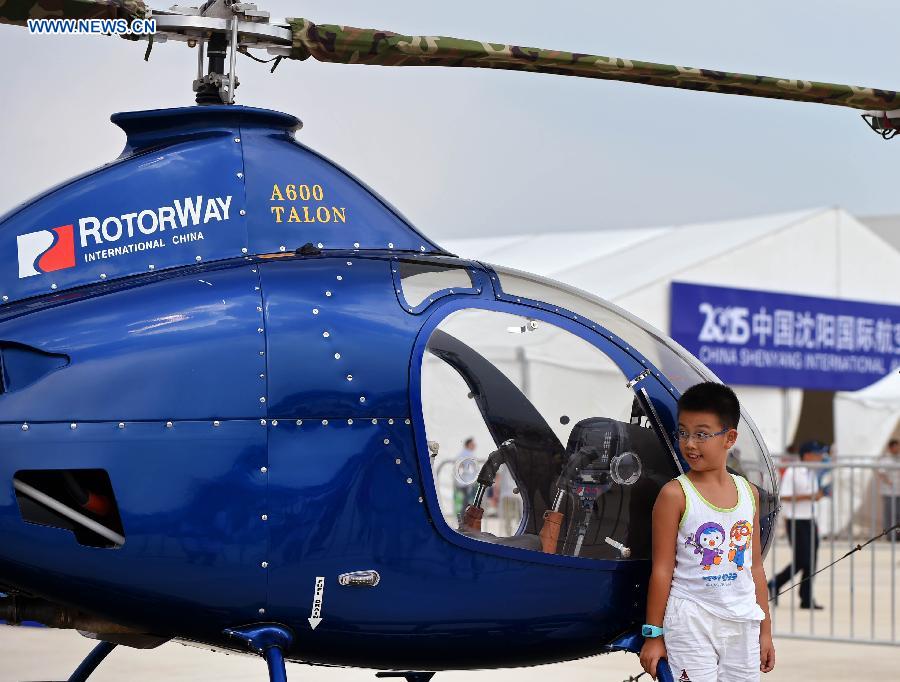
(219, 30)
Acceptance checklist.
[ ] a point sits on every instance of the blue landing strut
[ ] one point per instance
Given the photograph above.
(633, 643)
(90, 663)
(269, 640)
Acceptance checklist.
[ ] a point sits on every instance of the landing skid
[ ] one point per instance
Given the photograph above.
(409, 675)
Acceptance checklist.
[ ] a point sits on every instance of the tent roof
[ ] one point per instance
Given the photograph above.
(605, 262)
(883, 393)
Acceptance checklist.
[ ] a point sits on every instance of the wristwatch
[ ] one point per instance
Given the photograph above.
(652, 631)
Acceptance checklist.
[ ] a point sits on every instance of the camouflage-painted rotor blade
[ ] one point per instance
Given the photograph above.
(18, 12)
(347, 45)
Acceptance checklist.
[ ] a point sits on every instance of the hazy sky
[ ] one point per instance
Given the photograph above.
(478, 152)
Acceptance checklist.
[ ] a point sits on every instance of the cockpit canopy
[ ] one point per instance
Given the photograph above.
(571, 381)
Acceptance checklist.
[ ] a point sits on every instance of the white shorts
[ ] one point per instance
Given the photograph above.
(701, 647)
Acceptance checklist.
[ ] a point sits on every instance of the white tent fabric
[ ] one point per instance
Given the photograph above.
(822, 252)
(864, 420)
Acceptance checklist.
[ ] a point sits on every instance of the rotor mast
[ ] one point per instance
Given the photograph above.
(219, 29)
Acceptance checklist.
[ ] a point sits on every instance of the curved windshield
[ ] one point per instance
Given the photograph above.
(749, 456)
(537, 440)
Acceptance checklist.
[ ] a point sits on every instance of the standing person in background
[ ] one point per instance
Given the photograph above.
(889, 487)
(465, 469)
(799, 492)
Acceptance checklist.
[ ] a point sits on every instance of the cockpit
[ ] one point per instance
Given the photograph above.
(547, 432)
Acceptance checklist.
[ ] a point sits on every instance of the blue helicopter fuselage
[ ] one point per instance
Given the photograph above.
(258, 411)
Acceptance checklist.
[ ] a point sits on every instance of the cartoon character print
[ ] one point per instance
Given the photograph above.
(741, 533)
(706, 542)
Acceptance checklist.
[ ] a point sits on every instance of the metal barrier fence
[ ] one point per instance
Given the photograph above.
(857, 499)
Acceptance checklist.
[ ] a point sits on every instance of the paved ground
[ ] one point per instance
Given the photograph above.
(29, 654)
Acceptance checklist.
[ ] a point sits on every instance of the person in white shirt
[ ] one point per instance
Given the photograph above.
(799, 493)
(889, 487)
(465, 471)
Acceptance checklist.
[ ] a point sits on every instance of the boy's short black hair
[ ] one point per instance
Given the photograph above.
(712, 397)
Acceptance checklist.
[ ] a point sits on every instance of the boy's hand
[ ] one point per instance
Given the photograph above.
(653, 650)
(766, 653)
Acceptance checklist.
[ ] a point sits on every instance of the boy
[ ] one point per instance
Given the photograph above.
(707, 609)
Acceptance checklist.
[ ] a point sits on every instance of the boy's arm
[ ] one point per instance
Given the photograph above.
(667, 511)
(766, 647)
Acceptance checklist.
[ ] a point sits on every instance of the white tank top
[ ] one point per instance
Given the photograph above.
(714, 554)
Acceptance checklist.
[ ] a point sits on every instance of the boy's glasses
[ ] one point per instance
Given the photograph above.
(700, 436)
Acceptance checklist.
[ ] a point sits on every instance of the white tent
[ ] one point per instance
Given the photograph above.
(823, 252)
(865, 420)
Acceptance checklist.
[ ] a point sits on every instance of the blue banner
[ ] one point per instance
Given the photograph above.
(764, 338)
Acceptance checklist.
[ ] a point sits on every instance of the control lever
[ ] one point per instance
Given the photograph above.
(471, 520)
(553, 517)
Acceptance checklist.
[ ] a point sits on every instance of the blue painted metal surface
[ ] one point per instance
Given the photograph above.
(184, 347)
(190, 497)
(260, 417)
(192, 185)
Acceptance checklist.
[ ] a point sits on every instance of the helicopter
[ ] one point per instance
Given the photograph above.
(230, 372)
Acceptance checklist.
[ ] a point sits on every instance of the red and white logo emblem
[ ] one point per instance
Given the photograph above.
(46, 251)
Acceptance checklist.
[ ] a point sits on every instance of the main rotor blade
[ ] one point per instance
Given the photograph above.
(347, 45)
(18, 12)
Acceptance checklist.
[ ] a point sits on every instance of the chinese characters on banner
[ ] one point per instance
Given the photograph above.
(770, 339)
